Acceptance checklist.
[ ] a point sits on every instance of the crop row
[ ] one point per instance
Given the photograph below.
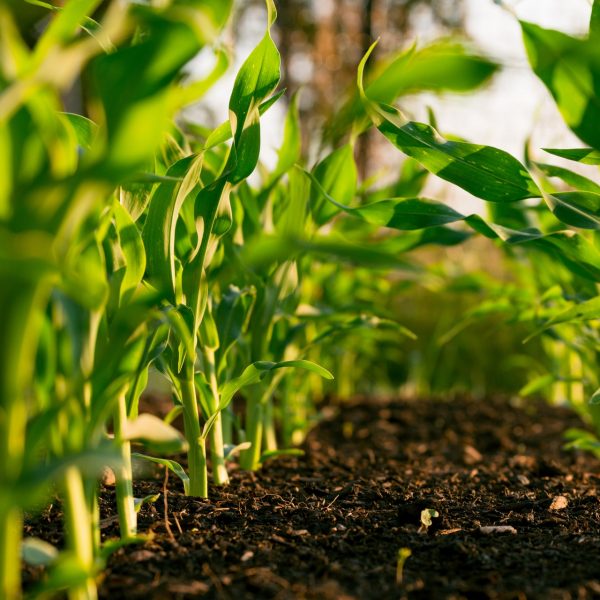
(133, 244)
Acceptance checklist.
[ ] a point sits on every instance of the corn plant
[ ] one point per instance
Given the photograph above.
(132, 242)
(60, 176)
(569, 67)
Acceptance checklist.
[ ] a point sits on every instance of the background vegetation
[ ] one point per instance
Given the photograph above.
(134, 241)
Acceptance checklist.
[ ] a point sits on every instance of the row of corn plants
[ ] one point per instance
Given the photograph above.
(544, 216)
(132, 242)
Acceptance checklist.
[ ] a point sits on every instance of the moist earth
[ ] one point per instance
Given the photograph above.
(330, 524)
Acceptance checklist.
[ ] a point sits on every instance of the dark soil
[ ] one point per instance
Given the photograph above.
(329, 525)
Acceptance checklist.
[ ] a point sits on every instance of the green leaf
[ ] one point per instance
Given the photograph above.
(253, 374)
(587, 156)
(269, 249)
(578, 209)
(222, 133)
(132, 85)
(271, 454)
(156, 435)
(231, 450)
(256, 80)
(397, 213)
(173, 414)
(337, 176)
(361, 322)
(291, 147)
(485, 172)
(35, 482)
(580, 439)
(575, 180)
(84, 276)
(84, 128)
(139, 502)
(584, 311)
(64, 26)
(594, 34)
(444, 65)
(181, 329)
(172, 465)
(109, 547)
(570, 69)
(294, 220)
(231, 317)
(537, 385)
(159, 230)
(303, 364)
(212, 214)
(67, 572)
(195, 91)
(208, 333)
(132, 247)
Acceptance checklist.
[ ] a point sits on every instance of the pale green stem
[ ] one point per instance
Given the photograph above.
(20, 306)
(269, 434)
(11, 531)
(12, 430)
(124, 474)
(215, 435)
(92, 495)
(288, 416)
(227, 425)
(259, 423)
(191, 422)
(88, 357)
(295, 418)
(250, 458)
(578, 391)
(78, 528)
(560, 391)
(345, 381)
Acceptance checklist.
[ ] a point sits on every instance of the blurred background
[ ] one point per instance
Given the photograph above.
(322, 41)
(473, 299)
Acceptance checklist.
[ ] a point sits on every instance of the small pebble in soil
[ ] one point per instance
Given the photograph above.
(559, 503)
(491, 529)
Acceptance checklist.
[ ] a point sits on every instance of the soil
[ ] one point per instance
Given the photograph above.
(329, 525)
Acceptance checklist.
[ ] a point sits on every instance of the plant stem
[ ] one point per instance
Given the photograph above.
(215, 435)
(79, 533)
(227, 425)
(250, 459)
(11, 523)
(259, 422)
(12, 432)
(88, 357)
(191, 421)
(20, 306)
(270, 437)
(124, 474)
(92, 498)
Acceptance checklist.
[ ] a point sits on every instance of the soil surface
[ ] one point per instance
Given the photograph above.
(330, 525)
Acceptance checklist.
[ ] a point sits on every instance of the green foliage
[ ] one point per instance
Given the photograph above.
(570, 68)
(133, 245)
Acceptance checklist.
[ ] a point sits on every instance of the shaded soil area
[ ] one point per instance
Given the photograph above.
(330, 525)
